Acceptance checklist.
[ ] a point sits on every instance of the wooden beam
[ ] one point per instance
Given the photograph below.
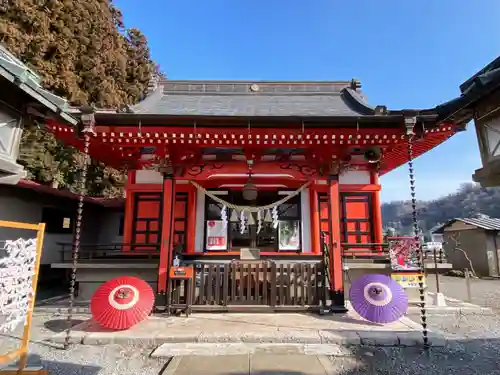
(234, 169)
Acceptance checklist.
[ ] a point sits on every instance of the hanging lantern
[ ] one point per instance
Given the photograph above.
(250, 191)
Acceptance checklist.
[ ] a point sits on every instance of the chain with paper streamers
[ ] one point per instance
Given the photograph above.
(17, 269)
(250, 208)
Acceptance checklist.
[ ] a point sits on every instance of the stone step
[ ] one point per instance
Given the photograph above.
(224, 349)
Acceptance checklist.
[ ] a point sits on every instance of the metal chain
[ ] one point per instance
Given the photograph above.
(326, 259)
(420, 263)
(76, 244)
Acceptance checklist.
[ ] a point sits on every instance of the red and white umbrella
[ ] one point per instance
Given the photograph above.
(122, 302)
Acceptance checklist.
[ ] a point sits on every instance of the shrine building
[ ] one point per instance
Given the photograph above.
(231, 172)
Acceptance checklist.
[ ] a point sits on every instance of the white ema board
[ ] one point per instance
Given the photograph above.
(17, 268)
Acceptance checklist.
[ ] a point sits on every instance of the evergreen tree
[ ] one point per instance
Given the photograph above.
(83, 52)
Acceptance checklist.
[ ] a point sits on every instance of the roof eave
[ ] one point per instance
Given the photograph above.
(495, 64)
(393, 116)
(25, 82)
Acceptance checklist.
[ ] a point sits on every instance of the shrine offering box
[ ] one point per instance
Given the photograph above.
(184, 272)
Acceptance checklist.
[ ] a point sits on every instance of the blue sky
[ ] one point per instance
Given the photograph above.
(407, 54)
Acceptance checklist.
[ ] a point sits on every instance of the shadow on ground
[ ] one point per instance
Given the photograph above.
(60, 325)
(62, 367)
(68, 368)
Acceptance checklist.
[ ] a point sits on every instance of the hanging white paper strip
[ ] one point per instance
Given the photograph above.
(242, 222)
(259, 221)
(17, 267)
(223, 216)
(274, 214)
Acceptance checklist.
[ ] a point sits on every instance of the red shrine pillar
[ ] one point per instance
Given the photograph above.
(336, 266)
(167, 231)
(378, 232)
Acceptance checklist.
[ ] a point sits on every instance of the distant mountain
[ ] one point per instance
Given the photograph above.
(469, 200)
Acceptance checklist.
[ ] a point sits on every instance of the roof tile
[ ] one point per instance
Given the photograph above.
(207, 98)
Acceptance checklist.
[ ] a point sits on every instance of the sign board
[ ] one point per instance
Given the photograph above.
(431, 246)
(216, 237)
(184, 273)
(403, 253)
(66, 223)
(407, 280)
(289, 235)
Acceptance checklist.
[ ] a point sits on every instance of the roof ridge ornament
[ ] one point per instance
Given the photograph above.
(355, 84)
(153, 83)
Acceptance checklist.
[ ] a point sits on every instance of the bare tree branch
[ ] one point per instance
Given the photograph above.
(456, 239)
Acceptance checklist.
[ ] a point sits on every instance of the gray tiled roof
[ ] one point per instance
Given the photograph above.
(28, 81)
(220, 98)
(487, 223)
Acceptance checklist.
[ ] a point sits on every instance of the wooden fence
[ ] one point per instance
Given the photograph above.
(244, 286)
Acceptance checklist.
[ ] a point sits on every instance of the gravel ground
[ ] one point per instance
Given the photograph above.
(485, 293)
(80, 359)
(476, 338)
(95, 360)
(476, 349)
(476, 352)
(414, 361)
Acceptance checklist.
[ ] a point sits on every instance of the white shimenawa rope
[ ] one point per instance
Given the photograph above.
(250, 208)
(17, 269)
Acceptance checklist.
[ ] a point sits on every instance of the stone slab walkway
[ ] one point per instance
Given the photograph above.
(348, 329)
(229, 349)
(255, 364)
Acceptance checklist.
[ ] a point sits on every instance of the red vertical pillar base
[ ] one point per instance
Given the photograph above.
(167, 213)
(336, 271)
(378, 232)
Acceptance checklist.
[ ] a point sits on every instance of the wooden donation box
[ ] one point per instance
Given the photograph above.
(180, 290)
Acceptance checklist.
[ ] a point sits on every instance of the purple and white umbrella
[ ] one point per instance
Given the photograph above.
(378, 298)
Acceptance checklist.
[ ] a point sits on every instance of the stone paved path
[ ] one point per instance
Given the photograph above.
(252, 328)
(256, 364)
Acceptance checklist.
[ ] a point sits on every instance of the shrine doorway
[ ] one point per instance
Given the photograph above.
(267, 234)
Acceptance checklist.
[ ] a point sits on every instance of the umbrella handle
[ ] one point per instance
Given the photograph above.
(123, 293)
